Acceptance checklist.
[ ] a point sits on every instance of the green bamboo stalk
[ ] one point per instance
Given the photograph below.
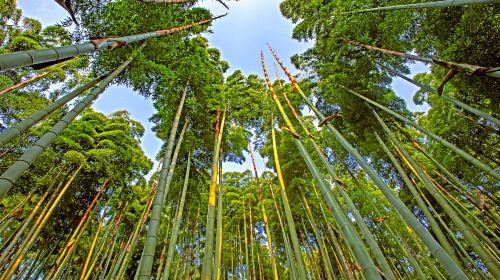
(32, 80)
(177, 268)
(452, 236)
(192, 250)
(27, 123)
(137, 230)
(216, 275)
(39, 218)
(197, 247)
(420, 202)
(250, 234)
(259, 263)
(34, 57)
(487, 259)
(103, 258)
(486, 168)
(435, 248)
(177, 223)
(346, 227)
(351, 236)
(108, 256)
(10, 176)
(447, 98)
(288, 249)
(146, 264)
(17, 245)
(327, 265)
(456, 182)
(462, 211)
(33, 264)
(247, 259)
(309, 257)
(405, 248)
(264, 217)
(428, 5)
(98, 253)
(45, 258)
(336, 261)
(91, 250)
(361, 222)
(240, 261)
(343, 268)
(454, 67)
(113, 235)
(6, 251)
(67, 255)
(185, 248)
(160, 268)
(451, 200)
(206, 271)
(12, 268)
(288, 213)
(379, 256)
(80, 227)
(173, 162)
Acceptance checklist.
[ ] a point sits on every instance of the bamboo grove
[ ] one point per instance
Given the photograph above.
(343, 180)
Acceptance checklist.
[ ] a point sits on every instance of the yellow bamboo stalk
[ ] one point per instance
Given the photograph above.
(20, 254)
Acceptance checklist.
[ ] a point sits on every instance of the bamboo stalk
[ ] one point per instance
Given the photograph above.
(445, 97)
(24, 125)
(427, 5)
(288, 213)
(489, 262)
(346, 227)
(9, 272)
(12, 174)
(177, 223)
(435, 248)
(147, 259)
(35, 57)
(32, 80)
(486, 168)
(206, 272)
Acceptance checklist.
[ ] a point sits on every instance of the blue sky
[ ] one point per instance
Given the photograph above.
(240, 37)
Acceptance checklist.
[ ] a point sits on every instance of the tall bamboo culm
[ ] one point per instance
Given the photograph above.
(147, 259)
(435, 248)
